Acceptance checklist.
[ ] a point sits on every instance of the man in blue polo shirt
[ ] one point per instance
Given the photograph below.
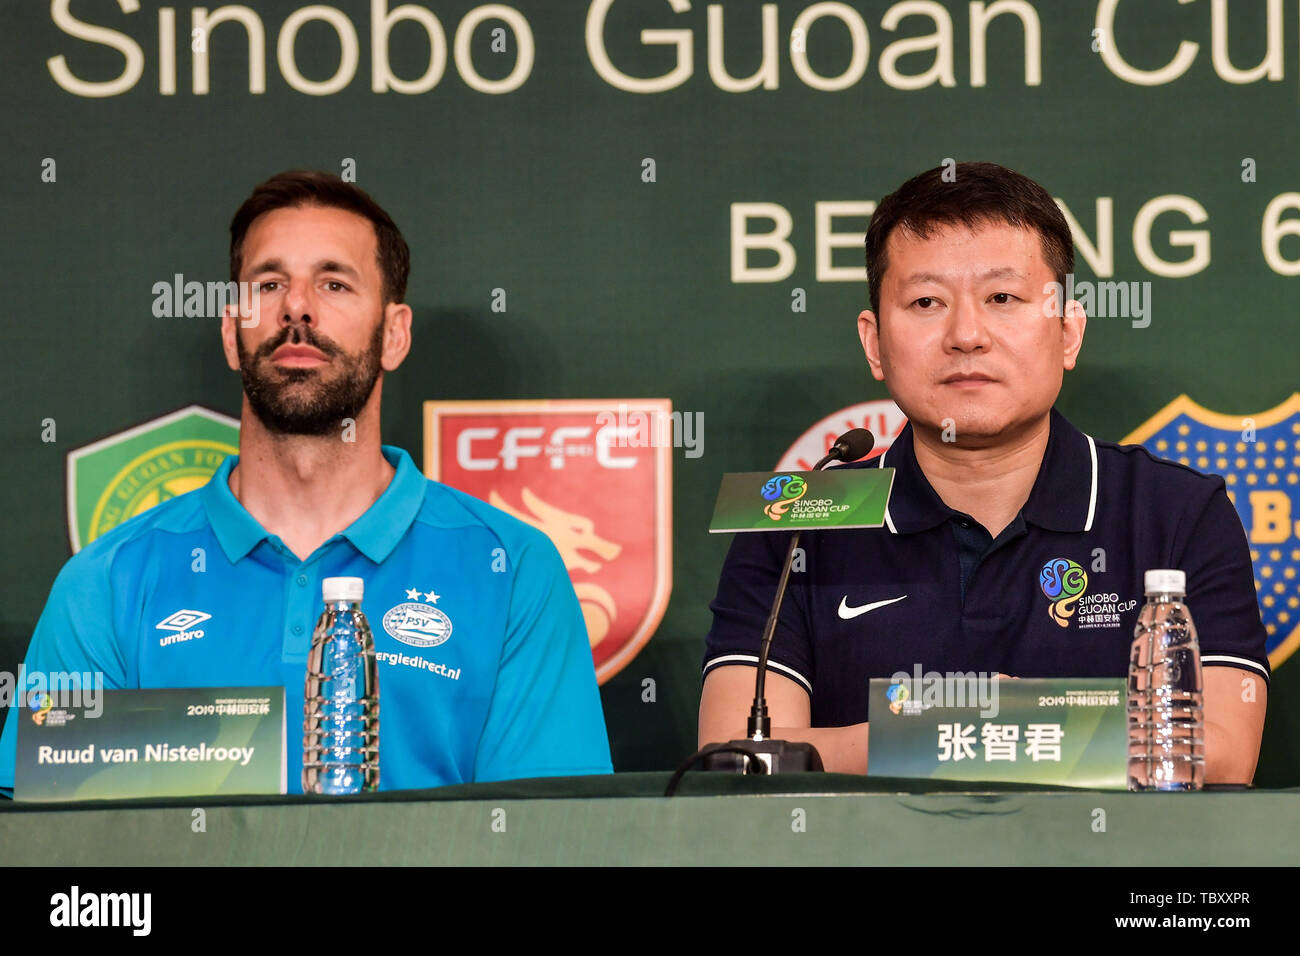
(507, 690)
(994, 493)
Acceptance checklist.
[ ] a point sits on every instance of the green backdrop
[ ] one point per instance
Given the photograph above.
(619, 286)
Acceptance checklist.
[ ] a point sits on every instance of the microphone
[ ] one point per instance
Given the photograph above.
(758, 753)
(852, 445)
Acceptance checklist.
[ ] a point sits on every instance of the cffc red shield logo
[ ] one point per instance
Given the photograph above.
(596, 477)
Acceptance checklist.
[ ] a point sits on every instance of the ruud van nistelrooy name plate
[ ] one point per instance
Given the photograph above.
(794, 500)
(196, 741)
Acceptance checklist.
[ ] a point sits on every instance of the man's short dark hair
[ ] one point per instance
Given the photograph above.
(971, 195)
(302, 187)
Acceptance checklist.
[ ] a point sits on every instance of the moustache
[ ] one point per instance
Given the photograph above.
(298, 335)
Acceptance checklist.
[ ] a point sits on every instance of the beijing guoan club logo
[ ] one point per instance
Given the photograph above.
(596, 477)
(1258, 456)
(782, 491)
(126, 474)
(1063, 581)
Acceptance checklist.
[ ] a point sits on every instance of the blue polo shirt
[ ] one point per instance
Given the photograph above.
(507, 691)
(1056, 594)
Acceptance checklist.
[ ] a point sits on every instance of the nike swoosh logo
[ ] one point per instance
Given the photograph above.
(849, 613)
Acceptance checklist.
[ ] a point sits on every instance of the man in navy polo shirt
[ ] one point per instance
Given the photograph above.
(994, 493)
(503, 687)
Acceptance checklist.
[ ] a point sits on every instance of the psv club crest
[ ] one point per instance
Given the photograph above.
(1258, 456)
(126, 474)
(596, 477)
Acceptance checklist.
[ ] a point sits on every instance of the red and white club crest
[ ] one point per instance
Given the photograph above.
(596, 476)
(881, 417)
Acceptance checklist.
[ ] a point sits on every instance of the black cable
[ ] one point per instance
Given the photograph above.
(749, 755)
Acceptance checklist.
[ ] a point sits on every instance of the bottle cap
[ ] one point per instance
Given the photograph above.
(343, 589)
(1165, 581)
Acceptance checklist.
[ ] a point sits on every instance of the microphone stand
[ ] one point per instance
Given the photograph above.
(758, 753)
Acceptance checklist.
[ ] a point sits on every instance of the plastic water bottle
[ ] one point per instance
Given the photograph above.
(340, 744)
(1165, 695)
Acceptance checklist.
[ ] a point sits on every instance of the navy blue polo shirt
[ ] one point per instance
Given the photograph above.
(1056, 594)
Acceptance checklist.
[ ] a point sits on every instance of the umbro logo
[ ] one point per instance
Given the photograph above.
(181, 623)
(849, 613)
(182, 620)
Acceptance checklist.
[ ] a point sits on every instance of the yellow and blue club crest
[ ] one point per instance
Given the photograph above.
(1258, 457)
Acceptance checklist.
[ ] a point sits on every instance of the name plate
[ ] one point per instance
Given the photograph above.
(197, 741)
(1046, 731)
(792, 500)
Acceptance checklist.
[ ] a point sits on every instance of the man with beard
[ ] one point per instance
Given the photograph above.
(485, 667)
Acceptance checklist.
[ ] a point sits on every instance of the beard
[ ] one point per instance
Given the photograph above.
(309, 401)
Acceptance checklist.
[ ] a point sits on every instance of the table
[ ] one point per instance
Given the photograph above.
(623, 819)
